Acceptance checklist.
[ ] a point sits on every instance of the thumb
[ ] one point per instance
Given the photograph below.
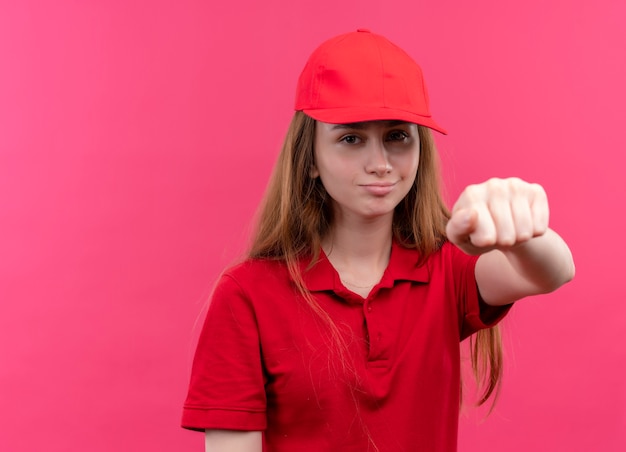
(462, 223)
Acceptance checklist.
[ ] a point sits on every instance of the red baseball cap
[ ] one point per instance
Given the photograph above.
(362, 76)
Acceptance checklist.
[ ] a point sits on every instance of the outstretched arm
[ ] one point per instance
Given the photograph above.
(232, 441)
(506, 222)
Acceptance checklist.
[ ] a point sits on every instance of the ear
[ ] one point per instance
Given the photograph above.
(313, 172)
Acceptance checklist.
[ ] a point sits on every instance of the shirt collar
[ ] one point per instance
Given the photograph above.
(403, 266)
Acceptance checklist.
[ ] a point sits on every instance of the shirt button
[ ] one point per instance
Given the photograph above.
(369, 309)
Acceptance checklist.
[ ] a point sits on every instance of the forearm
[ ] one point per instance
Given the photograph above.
(232, 441)
(539, 265)
(546, 261)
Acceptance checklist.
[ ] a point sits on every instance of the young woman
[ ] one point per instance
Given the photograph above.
(341, 330)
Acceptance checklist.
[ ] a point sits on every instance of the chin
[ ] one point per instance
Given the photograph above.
(377, 213)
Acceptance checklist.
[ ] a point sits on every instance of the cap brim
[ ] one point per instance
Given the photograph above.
(361, 114)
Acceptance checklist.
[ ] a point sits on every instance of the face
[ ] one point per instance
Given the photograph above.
(367, 168)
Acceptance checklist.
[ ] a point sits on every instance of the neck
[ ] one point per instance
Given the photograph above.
(360, 249)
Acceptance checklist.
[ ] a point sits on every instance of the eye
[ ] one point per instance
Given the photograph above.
(398, 135)
(350, 139)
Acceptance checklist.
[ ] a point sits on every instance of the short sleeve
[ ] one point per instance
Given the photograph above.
(226, 389)
(474, 313)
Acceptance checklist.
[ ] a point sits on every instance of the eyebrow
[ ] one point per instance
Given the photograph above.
(364, 124)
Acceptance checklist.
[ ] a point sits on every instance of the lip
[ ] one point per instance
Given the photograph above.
(379, 188)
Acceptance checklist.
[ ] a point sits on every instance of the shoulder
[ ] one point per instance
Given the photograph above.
(252, 278)
(253, 270)
(450, 261)
(253, 266)
(446, 256)
(450, 250)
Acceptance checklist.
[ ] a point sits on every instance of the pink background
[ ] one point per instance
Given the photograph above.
(136, 138)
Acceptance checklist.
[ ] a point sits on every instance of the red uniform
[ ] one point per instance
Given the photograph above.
(265, 362)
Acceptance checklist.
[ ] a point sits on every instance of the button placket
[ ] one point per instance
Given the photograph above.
(372, 336)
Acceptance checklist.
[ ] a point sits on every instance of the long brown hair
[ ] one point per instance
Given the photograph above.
(296, 215)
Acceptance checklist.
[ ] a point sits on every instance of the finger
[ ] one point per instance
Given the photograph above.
(461, 224)
(502, 217)
(522, 218)
(484, 234)
(540, 211)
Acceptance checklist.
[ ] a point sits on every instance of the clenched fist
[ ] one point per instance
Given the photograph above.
(498, 214)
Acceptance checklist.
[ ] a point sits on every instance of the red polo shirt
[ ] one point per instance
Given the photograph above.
(264, 362)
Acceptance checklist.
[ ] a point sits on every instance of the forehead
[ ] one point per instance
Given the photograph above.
(369, 124)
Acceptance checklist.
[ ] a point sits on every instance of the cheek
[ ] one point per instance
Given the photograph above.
(416, 163)
(408, 165)
(338, 181)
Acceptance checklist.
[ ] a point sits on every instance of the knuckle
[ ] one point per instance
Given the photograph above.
(539, 191)
(483, 240)
(517, 185)
(497, 187)
(472, 190)
(506, 242)
(524, 234)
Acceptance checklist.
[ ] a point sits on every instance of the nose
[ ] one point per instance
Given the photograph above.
(378, 159)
